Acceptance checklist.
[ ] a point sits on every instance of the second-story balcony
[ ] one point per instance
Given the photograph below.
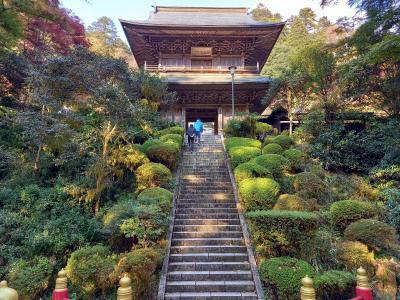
(200, 69)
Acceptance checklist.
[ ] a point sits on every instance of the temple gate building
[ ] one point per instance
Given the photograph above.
(192, 48)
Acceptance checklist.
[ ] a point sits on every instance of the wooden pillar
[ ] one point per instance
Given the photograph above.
(220, 119)
(184, 117)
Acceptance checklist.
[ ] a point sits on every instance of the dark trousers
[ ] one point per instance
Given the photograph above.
(191, 142)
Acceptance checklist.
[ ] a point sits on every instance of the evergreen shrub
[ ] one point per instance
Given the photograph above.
(296, 158)
(171, 130)
(309, 186)
(263, 128)
(284, 141)
(268, 140)
(172, 137)
(250, 170)
(153, 175)
(282, 276)
(156, 196)
(129, 156)
(293, 202)
(334, 284)
(274, 162)
(346, 212)
(258, 193)
(272, 149)
(30, 278)
(242, 154)
(373, 233)
(150, 142)
(241, 141)
(355, 254)
(281, 232)
(165, 153)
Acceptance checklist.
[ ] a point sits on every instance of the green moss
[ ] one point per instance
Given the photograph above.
(284, 141)
(258, 193)
(153, 175)
(274, 162)
(172, 130)
(272, 149)
(158, 196)
(293, 202)
(282, 276)
(334, 284)
(241, 141)
(242, 154)
(346, 212)
(374, 233)
(173, 137)
(250, 170)
(165, 153)
(309, 186)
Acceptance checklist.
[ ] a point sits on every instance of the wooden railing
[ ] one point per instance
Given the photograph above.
(200, 69)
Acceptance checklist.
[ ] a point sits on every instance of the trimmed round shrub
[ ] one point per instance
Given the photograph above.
(171, 130)
(258, 193)
(242, 154)
(165, 153)
(292, 202)
(152, 175)
(268, 140)
(296, 158)
(250, 170)
(263, 128)
(156, 196)
(373, 233)
(282, 276)
(281, 232)
(284, 141)
(90, 268)
(172, 137)
(241, 141)
(355, 254)
(150, 143)
(334, 284)
(346, 212)
(272, 149)
(309, 186)
(274, 162)
(30, 278)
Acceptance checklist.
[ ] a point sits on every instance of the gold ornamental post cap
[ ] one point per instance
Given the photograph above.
(124, 292)
(7, 293)
(362, 278)
(62, 280)
(307, 291)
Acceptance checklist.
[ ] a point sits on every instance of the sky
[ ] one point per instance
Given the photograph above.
(90, 10)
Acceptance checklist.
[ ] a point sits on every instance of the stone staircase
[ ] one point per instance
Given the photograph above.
(208, 257)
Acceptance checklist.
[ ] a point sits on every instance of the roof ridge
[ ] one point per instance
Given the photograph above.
(158, 9)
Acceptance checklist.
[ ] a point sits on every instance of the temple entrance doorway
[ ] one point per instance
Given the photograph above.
(209, 116)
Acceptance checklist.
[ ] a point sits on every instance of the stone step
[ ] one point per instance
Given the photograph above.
(211, 296)
(206, 188)
(210, 257)
(209, 275)
(194, 200)
(208, 216)
(204, 195)
(210, 286)
(214, 210)
(207, 221)
(207, 241)
(209, 266)
(209, 249)
(195, 204)
(206, 234)
(207, 228)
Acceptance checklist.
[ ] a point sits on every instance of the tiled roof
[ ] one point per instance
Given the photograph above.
(200, 16)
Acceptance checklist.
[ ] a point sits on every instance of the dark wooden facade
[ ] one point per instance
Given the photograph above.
(193, 48)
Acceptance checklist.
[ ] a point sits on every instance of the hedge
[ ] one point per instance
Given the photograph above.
(241, 141)
(345, 212)
(173, 137)
(309, 186)
(284, 141)
(158, 196)
(274, 162)
(171, 130)
(151, 142)
(334, 284)
(272, 149)
(152, 175)
(242, 154)
(293, 202)
(373, 233)
(258, 193)
(280, 232)
(282, 276)
(250, 170)
(165, 153)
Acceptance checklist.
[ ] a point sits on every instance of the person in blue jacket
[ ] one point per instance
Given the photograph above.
(198, 128)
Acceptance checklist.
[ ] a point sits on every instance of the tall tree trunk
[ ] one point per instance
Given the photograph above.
(290, 124)
(36, 165)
